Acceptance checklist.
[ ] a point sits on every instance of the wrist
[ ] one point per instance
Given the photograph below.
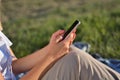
(50, 52)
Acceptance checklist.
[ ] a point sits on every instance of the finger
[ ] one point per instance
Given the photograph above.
(58, 39)
(71, 36)
(74, 31)
(59, 32)
(73, 39)
(74, 36)
(68, 39)
(56, 34)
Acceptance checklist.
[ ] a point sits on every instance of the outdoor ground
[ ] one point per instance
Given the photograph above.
(30, 23)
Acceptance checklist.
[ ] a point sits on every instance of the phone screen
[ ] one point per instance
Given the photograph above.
(72, 27)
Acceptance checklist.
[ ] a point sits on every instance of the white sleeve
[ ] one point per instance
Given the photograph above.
(1, 57)
(5, 40)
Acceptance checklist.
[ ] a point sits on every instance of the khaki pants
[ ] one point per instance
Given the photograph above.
(78, 65)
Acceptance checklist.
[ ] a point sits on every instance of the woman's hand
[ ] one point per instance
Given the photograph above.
(58, 48)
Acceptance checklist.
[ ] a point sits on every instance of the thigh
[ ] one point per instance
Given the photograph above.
(91, 69)
(78, 65)
(67, 68)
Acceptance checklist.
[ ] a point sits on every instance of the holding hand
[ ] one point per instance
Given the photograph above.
(58, 48)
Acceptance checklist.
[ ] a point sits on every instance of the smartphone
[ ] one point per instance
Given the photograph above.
(72, 27)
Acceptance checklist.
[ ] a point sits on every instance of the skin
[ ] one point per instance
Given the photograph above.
(40, 61)
(0, 26)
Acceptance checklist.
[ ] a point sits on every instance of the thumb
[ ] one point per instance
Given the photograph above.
(58, 38)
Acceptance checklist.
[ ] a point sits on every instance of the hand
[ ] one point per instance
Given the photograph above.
(58, 48)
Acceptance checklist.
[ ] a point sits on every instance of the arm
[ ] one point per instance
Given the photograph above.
(28, 62)
(38, 70)
(55, 50)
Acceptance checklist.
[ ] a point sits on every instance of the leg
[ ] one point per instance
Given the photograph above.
(67, 68)
(91, 69)
(78, 65)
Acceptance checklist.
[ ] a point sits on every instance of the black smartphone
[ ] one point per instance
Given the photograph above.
(72, 27)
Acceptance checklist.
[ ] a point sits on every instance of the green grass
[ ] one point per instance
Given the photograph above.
(30, 23)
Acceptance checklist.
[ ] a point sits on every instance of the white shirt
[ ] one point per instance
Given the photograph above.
(5, 58)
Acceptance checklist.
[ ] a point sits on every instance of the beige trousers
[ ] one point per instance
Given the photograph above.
(78, 65)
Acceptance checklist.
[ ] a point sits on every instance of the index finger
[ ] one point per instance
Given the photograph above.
(59, 32)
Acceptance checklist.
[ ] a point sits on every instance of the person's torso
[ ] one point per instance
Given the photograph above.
(5, 60)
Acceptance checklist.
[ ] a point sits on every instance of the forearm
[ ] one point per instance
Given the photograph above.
(37, 72)
(26, 63)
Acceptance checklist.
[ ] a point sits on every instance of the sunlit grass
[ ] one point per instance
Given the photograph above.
(29, 24)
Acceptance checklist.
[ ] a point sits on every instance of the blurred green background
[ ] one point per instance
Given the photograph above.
(30, 23)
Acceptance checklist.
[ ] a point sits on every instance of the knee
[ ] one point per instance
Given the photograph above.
(80, 53)
(72, 58)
